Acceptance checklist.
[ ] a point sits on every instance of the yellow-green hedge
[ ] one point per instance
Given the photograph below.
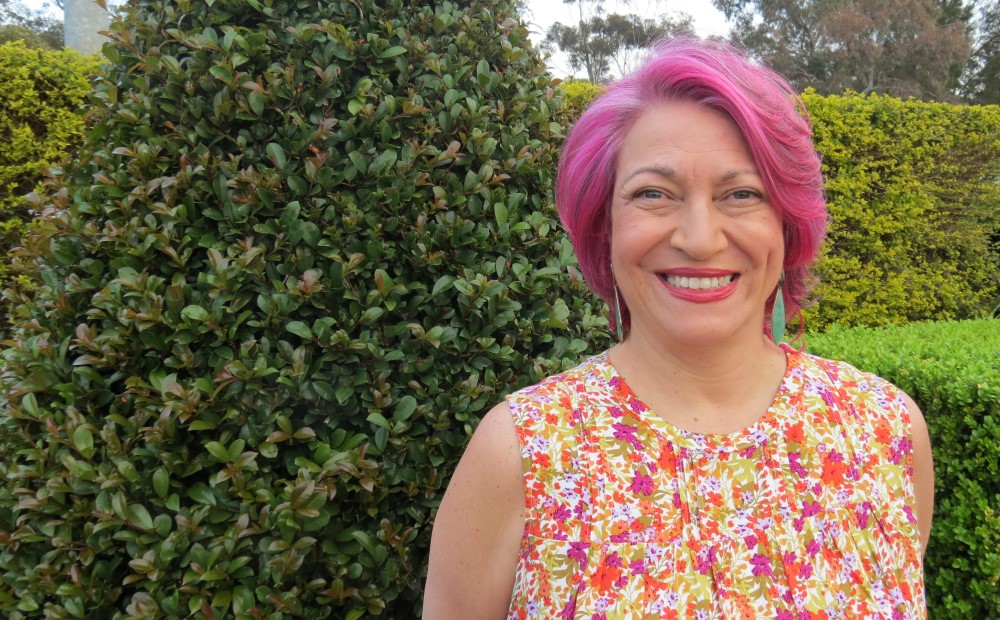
(39, 124)
(914, 196)
(576, 95)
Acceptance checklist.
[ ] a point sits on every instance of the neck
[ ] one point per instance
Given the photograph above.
(706, 388)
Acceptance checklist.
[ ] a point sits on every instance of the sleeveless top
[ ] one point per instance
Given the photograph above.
(807, 513)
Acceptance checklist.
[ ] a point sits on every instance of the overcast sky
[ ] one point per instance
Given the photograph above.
(543, 13)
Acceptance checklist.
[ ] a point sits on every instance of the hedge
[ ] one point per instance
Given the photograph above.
(39, 125)
(306, 245)
(952, 371)
(914, 198)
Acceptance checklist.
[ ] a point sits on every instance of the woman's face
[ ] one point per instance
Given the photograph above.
(695, 245)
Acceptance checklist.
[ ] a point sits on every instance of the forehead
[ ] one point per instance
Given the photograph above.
(684, 127)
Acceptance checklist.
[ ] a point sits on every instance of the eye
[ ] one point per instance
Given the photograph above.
(746, 195)
(649, 194)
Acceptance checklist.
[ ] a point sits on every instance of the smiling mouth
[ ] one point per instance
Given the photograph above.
(699, 283)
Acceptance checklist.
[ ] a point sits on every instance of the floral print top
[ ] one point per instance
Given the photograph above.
(806, 514)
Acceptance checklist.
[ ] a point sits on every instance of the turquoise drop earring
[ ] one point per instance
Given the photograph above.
(778, 313)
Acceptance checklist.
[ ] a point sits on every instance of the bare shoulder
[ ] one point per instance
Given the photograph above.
(478, 528)
(923, 469)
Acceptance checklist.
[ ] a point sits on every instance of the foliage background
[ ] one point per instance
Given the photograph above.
(39, 126)
(914, 199)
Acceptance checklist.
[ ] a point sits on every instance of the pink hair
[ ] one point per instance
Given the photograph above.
(774, 123)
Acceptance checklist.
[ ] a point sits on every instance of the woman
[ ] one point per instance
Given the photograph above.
(697, 469)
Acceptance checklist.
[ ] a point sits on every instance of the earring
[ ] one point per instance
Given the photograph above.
(618, 306)
(618, 316)
(778, 313)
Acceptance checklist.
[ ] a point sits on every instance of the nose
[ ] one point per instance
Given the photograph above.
(699, 229)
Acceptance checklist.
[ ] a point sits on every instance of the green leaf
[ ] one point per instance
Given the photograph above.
(194, 313)
(343, 393)
(404, 408)
(161, 482)
(443, 283)
(30, 405)
(138, 514)
(277, 155)
(75, 607)
(311, 234)
(500, 212)
(393, 52)
(256, 101)
(202, 494)
(218, 451)
(243, 600)
(324, 389)
(128, 470)
(299, 329)
(83, 441)
(222, 72)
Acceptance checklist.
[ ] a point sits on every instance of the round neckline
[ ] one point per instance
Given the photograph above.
(747, 437)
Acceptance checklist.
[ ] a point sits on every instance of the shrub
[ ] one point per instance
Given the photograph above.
(577, 95)
(950, 369)
(39, 124)
(306, 246)
(914, 199)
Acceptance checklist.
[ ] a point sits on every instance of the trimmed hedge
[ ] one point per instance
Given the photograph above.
(576, 96)
(306, 246)
(952, 370)
(914, 200)
(39, 126)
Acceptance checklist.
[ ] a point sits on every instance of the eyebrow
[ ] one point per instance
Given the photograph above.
(669, 173)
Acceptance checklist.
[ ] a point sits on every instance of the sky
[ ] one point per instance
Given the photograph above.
(707, 20)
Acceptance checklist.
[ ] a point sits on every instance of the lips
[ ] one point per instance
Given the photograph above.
(700, 285)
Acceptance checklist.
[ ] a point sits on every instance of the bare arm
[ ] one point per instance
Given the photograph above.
(923, 471)
(478, 528)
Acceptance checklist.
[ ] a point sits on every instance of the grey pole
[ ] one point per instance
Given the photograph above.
(82, 20)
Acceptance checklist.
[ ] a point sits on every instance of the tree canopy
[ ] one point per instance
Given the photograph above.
(982, 84)
(898, 47)
(35, 28)
(603, 44)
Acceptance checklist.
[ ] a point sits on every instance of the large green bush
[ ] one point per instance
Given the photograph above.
(952, 371)
(307, 245)
(39, 125)
(914, 191)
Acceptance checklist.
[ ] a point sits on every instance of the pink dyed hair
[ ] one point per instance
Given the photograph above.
(774, 123)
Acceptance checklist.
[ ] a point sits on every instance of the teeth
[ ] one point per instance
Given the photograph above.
(699, 283)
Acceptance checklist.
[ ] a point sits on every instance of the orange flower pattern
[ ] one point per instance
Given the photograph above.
(806, 514)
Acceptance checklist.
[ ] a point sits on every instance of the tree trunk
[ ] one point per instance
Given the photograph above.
(82, 21)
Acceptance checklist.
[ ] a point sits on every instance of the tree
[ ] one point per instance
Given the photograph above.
(897, 47)
(36, 28)
(600, 44)
(305, 247)
(982, 83)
